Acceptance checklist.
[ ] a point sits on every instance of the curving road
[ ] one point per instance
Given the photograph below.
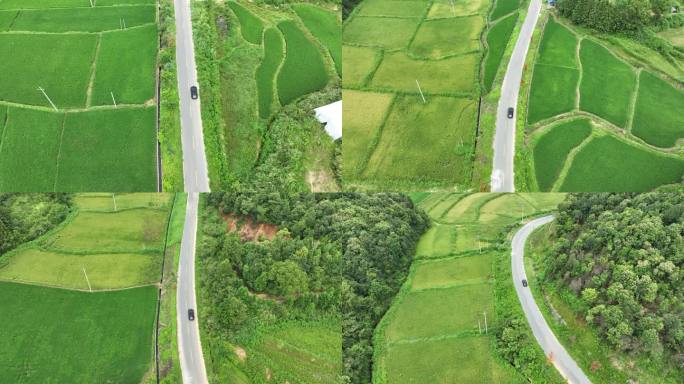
(196, 180)
(504, 139)
(189, 345)
(545, 337)
(195, 175)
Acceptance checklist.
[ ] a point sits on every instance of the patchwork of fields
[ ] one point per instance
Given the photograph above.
(412, 84)
(86, 292)
(597, 123)
(435, 330)
(77, 95)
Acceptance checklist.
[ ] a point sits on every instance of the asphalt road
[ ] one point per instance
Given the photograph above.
(547, 340)
(189, 346)
(195, 175)
(504, 139)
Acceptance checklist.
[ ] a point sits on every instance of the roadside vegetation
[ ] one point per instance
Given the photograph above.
(614, 304)
(82, 286)
(96, 127)
(459, 277)
(263, 68)
(631, 111)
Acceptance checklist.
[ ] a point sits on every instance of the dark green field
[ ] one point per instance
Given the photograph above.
(605, 96)
(265, 73)
(504, 7)
(60, 336)
(658, 117)
(96, 19)
(552, 92)
(607, 164)
(303, 70)
(497, 40)
(551, 150)
(250, 25)
(325, 26)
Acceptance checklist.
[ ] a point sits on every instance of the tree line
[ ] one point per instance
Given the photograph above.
(623, 256)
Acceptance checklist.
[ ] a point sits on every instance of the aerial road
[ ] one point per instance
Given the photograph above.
(545, 337)
(504, 139)
(195, 175)
(196, 180)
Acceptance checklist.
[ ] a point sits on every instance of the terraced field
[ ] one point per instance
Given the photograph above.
(77, 95)
(435, 330)
(415, 67)
(590, 131)
(85, 292)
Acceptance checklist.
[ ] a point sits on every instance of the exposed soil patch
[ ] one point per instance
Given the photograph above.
(241, 354)
(248, 230)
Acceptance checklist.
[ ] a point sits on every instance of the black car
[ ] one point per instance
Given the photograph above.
(510, 112)
(191, 314)
(524, 283)
(193, 93)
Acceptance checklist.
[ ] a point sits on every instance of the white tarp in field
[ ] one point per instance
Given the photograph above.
(331, 116)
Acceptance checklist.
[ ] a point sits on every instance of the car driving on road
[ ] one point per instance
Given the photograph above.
(510, 112)
(191, 314)
(193, 93)
(524, 283)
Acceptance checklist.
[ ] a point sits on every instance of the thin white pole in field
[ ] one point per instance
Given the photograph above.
(485, 316)
(479, 328)
(86, 275)
(124, 22)
(91, 4)
(421, 91)
(47, 97)
(453, 9)
(112, 93)
(114, 199)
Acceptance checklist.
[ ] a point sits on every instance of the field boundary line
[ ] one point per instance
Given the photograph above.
(449, 336)
(93, 69)
(27, 32)
(555, 187)
(14, 20)
(59, 152)
(5, 124)
(45, 285)
(74, 110)
(578, 94)
(375, 140)
(632, 103)
(86, 7)
(482, 281)
(418, 260)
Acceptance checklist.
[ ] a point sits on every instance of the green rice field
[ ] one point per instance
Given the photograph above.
(497, 40)
(657, 116)
(552, 149)
(427, 56)
(434, 331)
(74, 89)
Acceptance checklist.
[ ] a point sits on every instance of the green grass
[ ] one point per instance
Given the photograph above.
(503, 7)
(426, 142)
(444, 205)
(388, 33)
(303, 71)
(112, 150)
(266, 72)
(33, 4)
(87, 19)
(467, 208)
(358, 64)
(447, 8)
(361, 128)
(435, 38)
(392, 8)
(606, 96)
(460, 360)
(28, 155)
(129, 73)
(607, 164)
(299, 353)
(658, 118)
(105, 271)
(134, 230)
(436, 242)
(399, 72)
(558, 46)
(60, 336)
(551, 150)
(6, 18)
(251, 26)
(105, 202)
(448, 272)
(409, 317)
(505, 210)
(325, 26)
(552, 92)
(60, 64)
(497, 40)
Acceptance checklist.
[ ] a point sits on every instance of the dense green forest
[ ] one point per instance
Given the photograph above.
(623, 255)
(374, 234)
(24, 217)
